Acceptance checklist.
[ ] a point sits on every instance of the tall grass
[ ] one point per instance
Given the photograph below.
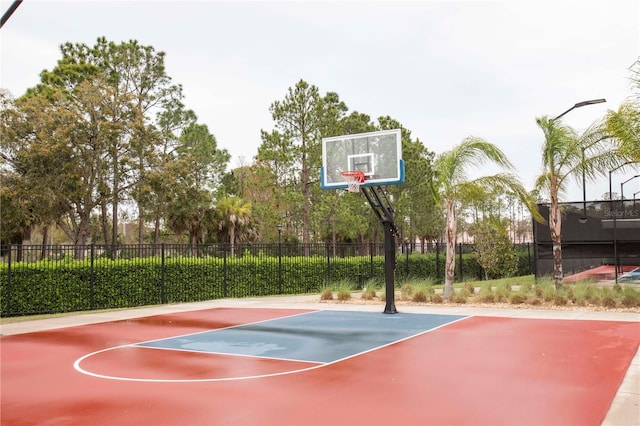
(515, 291)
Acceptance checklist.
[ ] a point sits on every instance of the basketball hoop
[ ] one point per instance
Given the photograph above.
(354, 179)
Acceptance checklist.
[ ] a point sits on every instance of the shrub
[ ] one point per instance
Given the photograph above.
(583, 292)
(630, 298)
(517, 299)
(560, 299)
(406, 291)
(369, 293)
(343, 294)
(608, 301)
(532, 300)
(460, 296)
(419, 296)
(373, 283)
(538, 290)
(485, 295)
(486, 298)
(503, 289)
(436, 298)
(469, 287)
(326, 294)
(343, 291)
(548, 292)
(569, 294)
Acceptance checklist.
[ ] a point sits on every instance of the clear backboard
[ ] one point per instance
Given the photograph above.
(377, 154)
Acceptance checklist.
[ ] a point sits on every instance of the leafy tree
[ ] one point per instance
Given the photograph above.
(154, 190)
(198, 165)
(298, 117)
(137, 77)
(57, 146)
(129, 84)
(494, 250)
(452, 186)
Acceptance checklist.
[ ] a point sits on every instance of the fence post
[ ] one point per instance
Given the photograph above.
(329, 261)
(437, 262)
(406, 264)
(9, 281)
(163, 293)
(460, 251)
(224, 271)
(279, 266)
(92, 279)
(371, 248)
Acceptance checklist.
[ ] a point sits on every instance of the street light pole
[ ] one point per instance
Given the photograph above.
(622, 185)
(583, 219)
(581, 104)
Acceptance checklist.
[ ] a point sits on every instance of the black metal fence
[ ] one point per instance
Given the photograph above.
(60, 278)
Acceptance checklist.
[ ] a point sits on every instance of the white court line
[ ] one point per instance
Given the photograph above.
(77, 367)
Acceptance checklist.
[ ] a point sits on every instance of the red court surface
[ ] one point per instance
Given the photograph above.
(475, 371)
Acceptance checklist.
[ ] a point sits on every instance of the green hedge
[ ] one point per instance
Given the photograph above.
(71, 285)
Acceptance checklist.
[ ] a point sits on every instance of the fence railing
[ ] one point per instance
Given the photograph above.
(60, 278)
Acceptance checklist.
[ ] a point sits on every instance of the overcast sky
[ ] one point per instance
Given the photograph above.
(444, 69)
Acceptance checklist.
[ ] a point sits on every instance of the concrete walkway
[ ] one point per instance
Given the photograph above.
(624, 411)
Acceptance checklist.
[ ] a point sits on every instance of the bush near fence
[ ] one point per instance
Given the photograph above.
(66, 285)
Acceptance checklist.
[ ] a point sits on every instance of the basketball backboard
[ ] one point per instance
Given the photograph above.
(377, 154)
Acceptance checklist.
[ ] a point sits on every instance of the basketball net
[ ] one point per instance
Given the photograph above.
(353, 178)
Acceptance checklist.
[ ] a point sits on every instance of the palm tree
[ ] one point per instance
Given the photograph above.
(624, 127)
(568, 156)
(624, 124)
(452, 186)
(232, 212)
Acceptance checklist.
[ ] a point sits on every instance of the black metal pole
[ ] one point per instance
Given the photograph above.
(92, 279)
(437, 262)
(615, 240)
(382, 208)
(163, 294)
(9, 12)
(9, 280)
(389, 267)
(279, 259)
(460, 254)
(583, 219)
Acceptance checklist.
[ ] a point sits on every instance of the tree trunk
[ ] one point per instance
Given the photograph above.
(45, 237)
(105, 227)
(140, 225)
(156, 230)
(555, 227)
(450, 262)
(232, 237)
(114, 219)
